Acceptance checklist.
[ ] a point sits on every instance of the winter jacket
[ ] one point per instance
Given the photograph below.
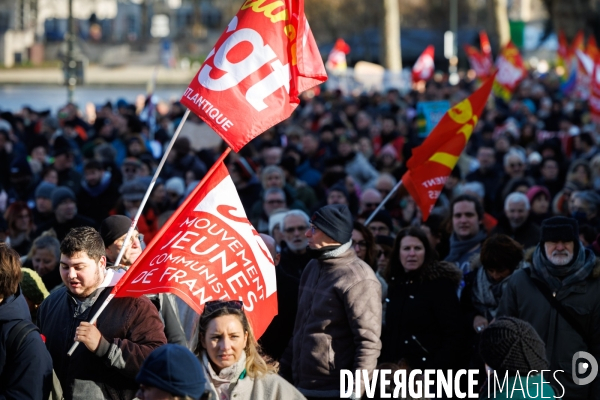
(28, 375)
(64, 228)
(523, 299)
(280, 330)
(131, 329)
(364, 174)
(423, 323)
(338, 324)
(96, 202)
(527, 234)
(533, 387)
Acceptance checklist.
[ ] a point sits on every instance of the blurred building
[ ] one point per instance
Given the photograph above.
(17, 31)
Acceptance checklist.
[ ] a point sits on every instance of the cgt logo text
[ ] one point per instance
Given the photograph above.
(435, 384)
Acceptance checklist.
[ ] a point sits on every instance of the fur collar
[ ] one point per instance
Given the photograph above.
(438, 270)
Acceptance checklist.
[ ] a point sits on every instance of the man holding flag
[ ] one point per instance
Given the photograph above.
(116, 345)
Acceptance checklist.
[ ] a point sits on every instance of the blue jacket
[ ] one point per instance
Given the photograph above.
(29, 374)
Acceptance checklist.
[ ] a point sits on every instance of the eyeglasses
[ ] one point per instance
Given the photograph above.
(212, 306)
(292, 229)
(515, 165)
(361, 244)
(312, 229)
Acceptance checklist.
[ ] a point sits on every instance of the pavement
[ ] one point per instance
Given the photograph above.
(99, 75)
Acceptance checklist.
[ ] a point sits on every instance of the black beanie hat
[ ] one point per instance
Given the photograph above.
(384, 217)
(113, 228)
(335, 221)
(174, 369)
(510, 344)
(560, 229)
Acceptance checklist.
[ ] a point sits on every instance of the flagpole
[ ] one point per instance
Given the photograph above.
(380, 206)
(137, 217)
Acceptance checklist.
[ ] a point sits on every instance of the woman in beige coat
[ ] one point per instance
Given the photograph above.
(231, 357)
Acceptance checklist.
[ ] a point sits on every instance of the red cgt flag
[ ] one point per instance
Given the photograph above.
(424, 67)
(434, 159)
(208, 250)
(251, 79)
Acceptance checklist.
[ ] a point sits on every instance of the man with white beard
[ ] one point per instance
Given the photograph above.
(557, 293)
(295, 254)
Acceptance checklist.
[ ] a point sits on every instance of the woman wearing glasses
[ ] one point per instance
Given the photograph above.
(232, 360)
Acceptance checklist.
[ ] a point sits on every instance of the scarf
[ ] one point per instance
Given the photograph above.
(97, 190)
(225, 380)
(486, 294)
(458, 248)
(332, 251)
(559, 276)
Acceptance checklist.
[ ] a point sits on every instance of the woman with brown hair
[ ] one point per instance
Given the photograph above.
(422, 321)
(232, 359)
(19, 219)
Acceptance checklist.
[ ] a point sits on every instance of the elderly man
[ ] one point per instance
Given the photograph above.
(112, 349)
(338, 325)
(369, 200)
(273, 199)
(294, 256)
(558, 295)
(515, 221)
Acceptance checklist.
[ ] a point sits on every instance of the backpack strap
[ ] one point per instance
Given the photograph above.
(17, 334)
(562, 311)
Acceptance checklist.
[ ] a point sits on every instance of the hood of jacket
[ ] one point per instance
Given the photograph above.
(438, 270)
(14, 308)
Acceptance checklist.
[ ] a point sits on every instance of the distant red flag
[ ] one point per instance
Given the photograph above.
(481, 64)
(424, 67)
(251, 79)
(208, 250)
(434, 159)
(486, 48)
(511, 71)
(337, 56)
(594, 100)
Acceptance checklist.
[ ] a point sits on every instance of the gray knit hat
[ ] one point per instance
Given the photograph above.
(61, 194)
(44, 190)
(510, 344)
(335, 221)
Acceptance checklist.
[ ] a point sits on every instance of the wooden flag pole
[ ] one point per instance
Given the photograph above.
(382, 204)
(137, 217)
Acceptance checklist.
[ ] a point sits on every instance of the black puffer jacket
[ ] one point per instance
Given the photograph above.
(423, 324)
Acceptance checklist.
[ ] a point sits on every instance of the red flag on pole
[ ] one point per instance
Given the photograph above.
(434, 159)
(208, 250)
(424, 67)
(251, 79)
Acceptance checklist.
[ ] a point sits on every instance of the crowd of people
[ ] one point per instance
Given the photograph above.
(503, 274)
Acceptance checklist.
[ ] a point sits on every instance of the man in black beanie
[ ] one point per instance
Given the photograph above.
(338, 324)
(557, 293)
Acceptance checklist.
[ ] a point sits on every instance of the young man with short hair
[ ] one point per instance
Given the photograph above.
(112, 349)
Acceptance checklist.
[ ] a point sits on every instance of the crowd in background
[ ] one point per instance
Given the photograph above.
(443, 280)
